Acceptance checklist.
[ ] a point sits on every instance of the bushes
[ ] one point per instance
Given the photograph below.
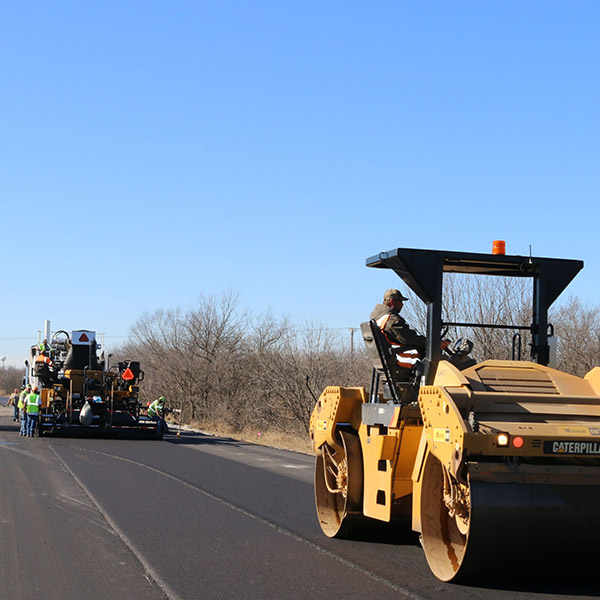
(10, 378)
(224, 366)
(228, 368)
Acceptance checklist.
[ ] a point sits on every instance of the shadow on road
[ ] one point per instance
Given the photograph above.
(188, 438)
(564, 575)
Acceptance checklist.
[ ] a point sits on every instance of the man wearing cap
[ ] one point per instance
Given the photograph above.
(394, 327)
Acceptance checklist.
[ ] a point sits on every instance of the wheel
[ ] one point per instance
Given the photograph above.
(339, 485)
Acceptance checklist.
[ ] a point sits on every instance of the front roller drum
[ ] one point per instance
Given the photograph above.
(486, 526)
(339, 485)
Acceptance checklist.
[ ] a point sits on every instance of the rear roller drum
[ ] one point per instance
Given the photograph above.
(339, 485)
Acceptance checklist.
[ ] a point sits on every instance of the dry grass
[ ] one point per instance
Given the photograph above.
(273, 439)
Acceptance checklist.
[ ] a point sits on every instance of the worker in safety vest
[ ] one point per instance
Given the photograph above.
(22, 404)
(409, 344)
(34, 404)
(45, 346)
(42, 368)
(156, 411)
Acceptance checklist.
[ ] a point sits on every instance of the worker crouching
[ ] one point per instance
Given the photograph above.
(156, 411)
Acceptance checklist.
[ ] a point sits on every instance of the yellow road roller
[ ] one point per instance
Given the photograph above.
(484, 459)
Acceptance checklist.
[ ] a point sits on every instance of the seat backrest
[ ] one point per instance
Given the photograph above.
(372, 344)
(382, 354)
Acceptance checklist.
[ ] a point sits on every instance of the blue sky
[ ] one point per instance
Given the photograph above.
(155, 151)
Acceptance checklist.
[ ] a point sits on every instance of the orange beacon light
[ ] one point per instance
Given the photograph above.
(499, 247)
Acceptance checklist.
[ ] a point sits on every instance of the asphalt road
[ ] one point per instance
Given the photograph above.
(200, 517)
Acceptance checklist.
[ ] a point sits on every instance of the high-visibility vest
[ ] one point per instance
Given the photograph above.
(153, 409)
(405, 357)
(22, 399)
(33, 403)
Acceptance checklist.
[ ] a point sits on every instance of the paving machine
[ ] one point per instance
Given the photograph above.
(488, 461)
(78, 391)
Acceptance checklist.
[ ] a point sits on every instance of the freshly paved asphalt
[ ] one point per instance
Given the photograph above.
(199, 517)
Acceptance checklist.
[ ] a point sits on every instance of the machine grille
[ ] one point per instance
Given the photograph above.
(514, 380)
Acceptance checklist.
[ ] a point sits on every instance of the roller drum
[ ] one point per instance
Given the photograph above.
(510, 523)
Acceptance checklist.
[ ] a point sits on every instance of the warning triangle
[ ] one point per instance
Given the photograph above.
(84, 338)
(127, 375)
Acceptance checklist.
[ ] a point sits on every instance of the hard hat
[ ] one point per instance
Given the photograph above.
(28, 386)
(394, 294)
(35, 390)
(162, 399)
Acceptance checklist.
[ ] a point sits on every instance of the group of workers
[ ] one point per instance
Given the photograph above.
(26, 409)
(27, 406)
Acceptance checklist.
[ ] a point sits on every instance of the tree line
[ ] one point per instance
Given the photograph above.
(223, 365)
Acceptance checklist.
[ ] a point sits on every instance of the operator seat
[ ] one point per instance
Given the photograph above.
(399, 382)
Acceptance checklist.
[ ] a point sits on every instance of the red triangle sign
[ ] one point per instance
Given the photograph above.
(84, 338)
(127, 375)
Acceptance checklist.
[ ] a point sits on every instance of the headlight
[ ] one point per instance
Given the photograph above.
(502, 440)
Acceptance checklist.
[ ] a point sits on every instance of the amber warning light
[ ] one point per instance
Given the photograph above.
(499, 247)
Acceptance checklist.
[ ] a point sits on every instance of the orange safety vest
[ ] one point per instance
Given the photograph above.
(405, 357)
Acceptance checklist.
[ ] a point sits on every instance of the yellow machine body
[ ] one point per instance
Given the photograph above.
(485, 460)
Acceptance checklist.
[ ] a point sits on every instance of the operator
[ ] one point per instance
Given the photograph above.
(22, 408)
(410, 345)
(34, 403)
(42, 366)
(156, 411)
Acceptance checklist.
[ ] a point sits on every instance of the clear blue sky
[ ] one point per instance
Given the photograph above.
(155, 151)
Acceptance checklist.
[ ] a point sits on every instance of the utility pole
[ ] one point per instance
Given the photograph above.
(352, 330)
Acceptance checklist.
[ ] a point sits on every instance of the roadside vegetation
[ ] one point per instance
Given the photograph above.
(256, 377)
(233, 372)
(10, 378)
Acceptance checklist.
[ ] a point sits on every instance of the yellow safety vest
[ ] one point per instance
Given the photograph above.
(33, 403)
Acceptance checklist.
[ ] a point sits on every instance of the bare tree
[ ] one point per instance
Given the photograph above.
(490, 300)
(227, 367)
(577, 327)
(10, 378)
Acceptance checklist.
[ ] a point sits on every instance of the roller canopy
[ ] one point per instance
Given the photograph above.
(421, 270)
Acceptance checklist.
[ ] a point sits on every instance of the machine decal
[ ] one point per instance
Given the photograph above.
(579, 430)
(441, 435)
(321, 425)
(571, 447)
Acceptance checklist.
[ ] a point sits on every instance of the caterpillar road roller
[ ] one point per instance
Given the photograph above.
(79, 391)
(484, 459)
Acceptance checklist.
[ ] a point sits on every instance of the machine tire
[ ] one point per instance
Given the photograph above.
(338, 511)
